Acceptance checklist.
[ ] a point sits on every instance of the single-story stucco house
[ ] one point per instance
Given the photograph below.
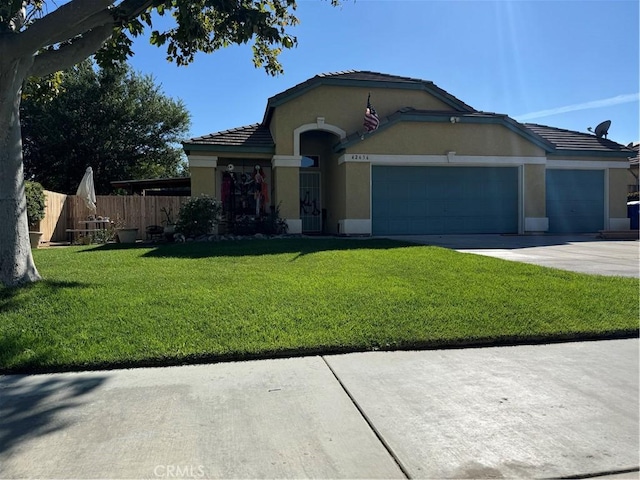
(433, 165)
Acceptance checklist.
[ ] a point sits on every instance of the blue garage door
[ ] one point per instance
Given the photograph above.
(443, 200)
(575, 200)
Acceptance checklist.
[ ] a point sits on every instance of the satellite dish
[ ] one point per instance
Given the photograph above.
(602, 129)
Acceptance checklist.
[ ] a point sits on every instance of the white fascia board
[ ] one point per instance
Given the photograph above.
(286, 161)
(392, 159)
(497, 160)
(449, 159)
(202, 161)
(585, 164)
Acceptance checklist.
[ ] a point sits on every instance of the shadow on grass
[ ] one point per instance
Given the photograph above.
(498, 241)
(247, 247)
(15, 297)
(31, 407)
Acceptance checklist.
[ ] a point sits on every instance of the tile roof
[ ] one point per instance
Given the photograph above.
(370, 76)
(571, 141)
(634, 160)
(255, 135)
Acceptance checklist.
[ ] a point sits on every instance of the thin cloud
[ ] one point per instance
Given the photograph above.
(607, 102)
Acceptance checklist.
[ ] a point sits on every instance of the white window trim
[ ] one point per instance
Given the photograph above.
(451, 158)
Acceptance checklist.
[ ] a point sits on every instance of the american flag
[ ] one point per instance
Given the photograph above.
(371, 120)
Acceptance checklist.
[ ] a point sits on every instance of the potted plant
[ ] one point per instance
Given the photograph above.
(127, 235)
(124, 233)
(169, 225)
(34, 194)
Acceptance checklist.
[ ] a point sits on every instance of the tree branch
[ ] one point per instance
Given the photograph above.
(101, 18)
(130, 9)
(43, 31)
(67, 56)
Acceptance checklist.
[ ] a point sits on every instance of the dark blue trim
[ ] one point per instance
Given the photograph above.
(228, 148)
(588, 153)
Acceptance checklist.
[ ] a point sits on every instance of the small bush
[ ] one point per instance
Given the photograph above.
(273, 224)
(198, 216)
(34, 194)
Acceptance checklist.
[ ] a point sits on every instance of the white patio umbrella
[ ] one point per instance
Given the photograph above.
(87, 191)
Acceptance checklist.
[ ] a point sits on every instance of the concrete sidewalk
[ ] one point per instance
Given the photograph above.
(526, 412)
(577, 253)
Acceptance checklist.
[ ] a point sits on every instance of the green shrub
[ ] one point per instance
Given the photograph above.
(198, 216)
(35, 202)
(273, 224)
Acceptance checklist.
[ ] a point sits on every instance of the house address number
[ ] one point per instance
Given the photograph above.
(359, 157)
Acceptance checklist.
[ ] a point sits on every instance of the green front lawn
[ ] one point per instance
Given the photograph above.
(113, 305)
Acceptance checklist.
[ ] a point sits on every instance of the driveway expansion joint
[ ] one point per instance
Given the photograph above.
(375, 431)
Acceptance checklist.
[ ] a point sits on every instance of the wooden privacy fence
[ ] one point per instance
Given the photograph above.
(55, 217)
(66, 211)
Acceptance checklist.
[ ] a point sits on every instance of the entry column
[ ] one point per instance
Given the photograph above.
(286, 189)
(203, 175)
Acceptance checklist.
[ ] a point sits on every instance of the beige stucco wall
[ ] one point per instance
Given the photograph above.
(358, 189)
(203, 181)
(337, 199)
(421, 138)
(618, 185)
(343, 107)
(534, 191)
(286, 191)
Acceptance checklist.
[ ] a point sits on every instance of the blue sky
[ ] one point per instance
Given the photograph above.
(569, 63)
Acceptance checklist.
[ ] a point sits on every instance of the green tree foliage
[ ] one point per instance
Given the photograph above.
(36, 204)
(65, 33)
(114, 120)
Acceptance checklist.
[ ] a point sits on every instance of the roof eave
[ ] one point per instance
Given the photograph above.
(589, 153)
(199, 147)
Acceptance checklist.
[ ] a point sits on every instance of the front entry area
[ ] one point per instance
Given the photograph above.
(310, 202)
(444, 200)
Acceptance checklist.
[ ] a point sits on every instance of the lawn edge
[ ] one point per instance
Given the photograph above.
(507, 341)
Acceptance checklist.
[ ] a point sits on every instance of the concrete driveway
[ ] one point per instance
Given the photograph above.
(578, 253)
(514, 412)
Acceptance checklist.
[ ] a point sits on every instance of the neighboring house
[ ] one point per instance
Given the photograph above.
(435, 165)
(634, 164)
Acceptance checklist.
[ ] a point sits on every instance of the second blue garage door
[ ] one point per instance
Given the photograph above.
(575, 200)
(443, 200)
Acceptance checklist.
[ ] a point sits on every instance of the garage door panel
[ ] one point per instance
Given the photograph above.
(441, 200)
(575, 200)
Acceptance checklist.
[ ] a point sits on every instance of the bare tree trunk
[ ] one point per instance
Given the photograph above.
(16, 262)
